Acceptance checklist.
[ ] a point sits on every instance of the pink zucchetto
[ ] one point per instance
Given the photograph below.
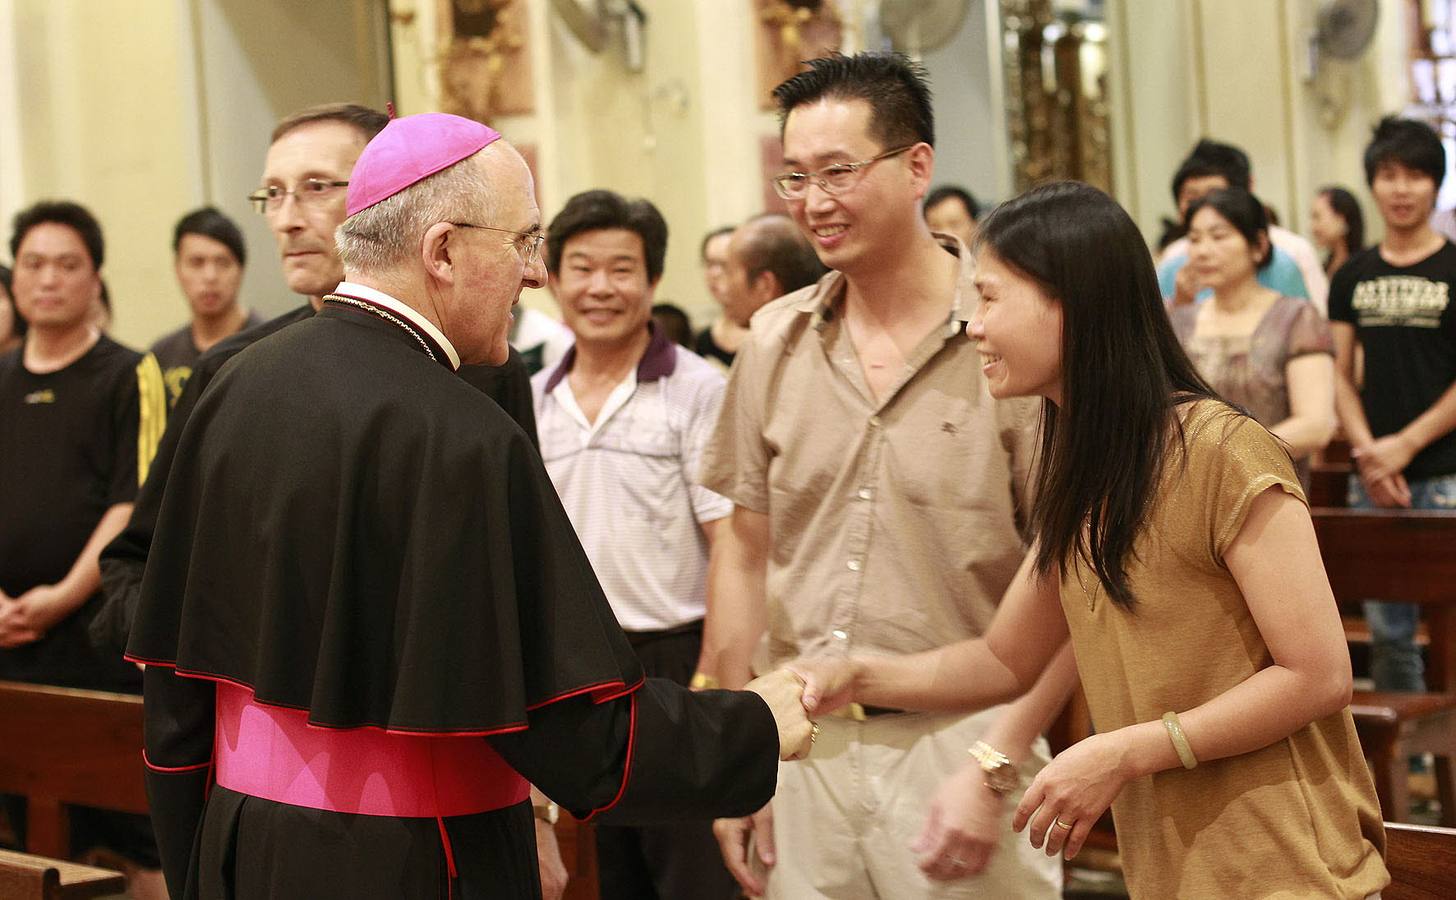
(412, 149)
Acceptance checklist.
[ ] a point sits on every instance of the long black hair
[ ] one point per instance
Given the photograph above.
(1103, 451)
(1348, 208)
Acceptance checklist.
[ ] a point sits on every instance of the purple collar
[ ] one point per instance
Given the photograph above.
(659, 360)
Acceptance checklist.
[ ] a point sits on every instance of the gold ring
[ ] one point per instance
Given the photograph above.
(813, 732)
(1060, 824)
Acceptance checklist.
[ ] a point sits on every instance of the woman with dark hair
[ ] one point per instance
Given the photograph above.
(1270, 354)
(1337, 226)
(1175, 551)
(12, 326)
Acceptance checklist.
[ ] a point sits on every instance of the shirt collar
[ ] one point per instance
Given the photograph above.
(659, 360)
(824, 302)
(409, 313)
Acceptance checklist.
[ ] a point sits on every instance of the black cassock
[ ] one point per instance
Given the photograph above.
(350, 530)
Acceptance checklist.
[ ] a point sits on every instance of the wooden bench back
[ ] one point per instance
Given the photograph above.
(26, 877)
(68, 746)
(1422, 862)
(1397, 554)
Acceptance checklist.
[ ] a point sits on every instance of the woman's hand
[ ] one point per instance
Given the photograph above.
(1068, 797)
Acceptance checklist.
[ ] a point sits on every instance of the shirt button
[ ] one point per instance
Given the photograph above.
(865, 493)
(853, 565)
(874, 421)
(840, 634)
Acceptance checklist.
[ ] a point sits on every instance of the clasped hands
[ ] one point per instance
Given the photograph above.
(26, 619)
(783, 691)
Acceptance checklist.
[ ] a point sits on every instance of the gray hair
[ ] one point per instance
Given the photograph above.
(385, 235)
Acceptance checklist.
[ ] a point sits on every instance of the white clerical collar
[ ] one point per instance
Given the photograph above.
(379, 298)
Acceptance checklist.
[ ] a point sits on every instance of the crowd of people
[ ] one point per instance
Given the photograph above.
(851, 546)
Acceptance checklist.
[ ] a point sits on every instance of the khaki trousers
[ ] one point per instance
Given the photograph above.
(845, 817)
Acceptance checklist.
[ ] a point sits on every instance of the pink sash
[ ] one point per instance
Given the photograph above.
(273, 753)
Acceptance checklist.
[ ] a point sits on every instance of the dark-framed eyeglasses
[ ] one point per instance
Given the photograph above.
(527, 243)
(835, 179)
(309, 192)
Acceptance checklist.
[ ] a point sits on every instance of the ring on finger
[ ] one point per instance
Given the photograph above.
(813, 732)
(1058, 823)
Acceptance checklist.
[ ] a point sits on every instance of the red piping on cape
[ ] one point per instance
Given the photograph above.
(173, 769)
(625, 689)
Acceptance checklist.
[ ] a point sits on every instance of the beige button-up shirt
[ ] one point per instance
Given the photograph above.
(894, 522)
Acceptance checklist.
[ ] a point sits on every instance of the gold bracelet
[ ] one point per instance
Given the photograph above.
(704, 682)
(1180, 740)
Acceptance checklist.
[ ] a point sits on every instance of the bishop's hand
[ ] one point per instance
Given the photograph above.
(783, 691)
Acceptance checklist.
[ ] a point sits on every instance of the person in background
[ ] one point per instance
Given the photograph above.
(720, 340)
(1393, 302)
(674, 323)
(208, 258)
(1294, 269)
(950, 209)
(1261, 350)
(12, 326)
(71, 457)
(1337, 226)
(768, 257)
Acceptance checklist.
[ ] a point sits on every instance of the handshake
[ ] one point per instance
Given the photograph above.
(794, 694)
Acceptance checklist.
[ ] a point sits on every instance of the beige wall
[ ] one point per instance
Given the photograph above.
(145, 110)
(1235, 70)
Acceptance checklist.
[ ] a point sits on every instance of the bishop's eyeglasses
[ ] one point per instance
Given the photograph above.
(527, 243)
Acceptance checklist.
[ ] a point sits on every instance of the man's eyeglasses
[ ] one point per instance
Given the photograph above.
(835, 179)
(309, 192)
(527, 243)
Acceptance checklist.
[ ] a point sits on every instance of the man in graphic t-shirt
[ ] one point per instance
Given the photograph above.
(1394, 301)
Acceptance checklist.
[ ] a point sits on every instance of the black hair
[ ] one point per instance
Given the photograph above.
(598, 210)
(1348, 208)
(1410, 142)
(896, 88)
(674, 322)
(947, 191)
(368, 121)
(1103, 452)
(708, 239)
(210, 223)
(774, 244)
(1214, 158)
(60, 212)
(7, 281)
(1245, 213)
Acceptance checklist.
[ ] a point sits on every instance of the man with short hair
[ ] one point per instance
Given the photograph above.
(208, 256)
(377, 573)
(623, 420)
(877, 490)
(767, 258)
(70, 410)
(1294, 268)
(1393, 302)
(950, 209)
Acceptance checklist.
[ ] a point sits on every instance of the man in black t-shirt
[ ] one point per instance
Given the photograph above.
(1395, 301)
(69, 469)
(208, 254)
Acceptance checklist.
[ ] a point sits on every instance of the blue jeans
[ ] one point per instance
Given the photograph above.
(1395, 661)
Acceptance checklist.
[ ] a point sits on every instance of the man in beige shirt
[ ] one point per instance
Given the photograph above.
(878, 489)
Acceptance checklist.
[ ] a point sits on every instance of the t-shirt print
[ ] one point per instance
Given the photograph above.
(1401, 301)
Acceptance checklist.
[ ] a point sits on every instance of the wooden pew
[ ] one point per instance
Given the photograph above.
(73, 747)
(27, 877)
(1422, 862)
(1407, 555)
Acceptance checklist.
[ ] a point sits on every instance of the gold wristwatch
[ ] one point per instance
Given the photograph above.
(547, 812)
(1001, 774)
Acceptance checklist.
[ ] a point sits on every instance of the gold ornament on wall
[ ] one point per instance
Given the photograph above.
(789, 32)
(485, 69)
